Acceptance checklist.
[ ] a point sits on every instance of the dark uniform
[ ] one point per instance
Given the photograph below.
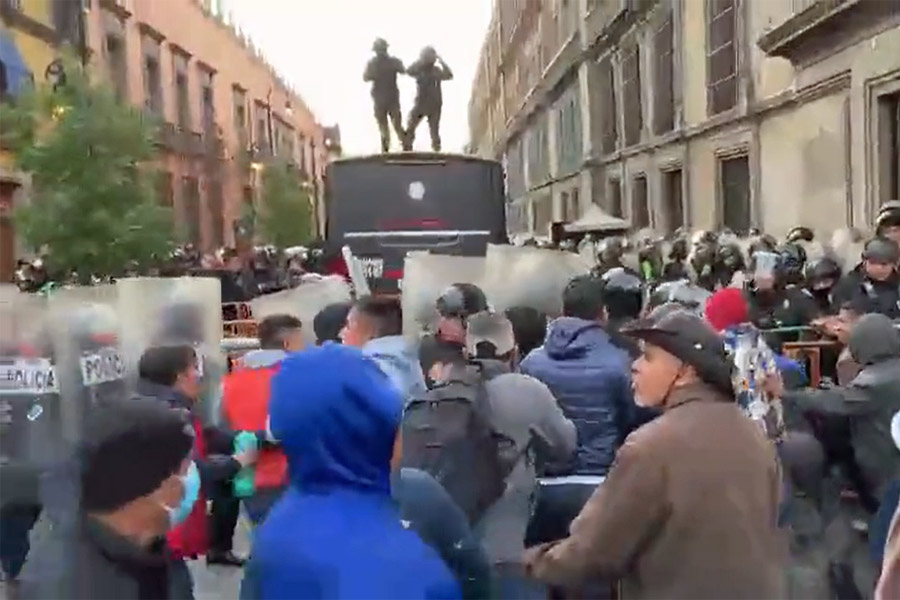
(382, 71)
(429, 72)
(857, 287)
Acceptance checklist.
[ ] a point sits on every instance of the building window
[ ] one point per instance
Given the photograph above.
(640, 210)
(543, 215)
(117, 62)
(663, 88)
(182, 90)
(889, 147)
(614, 193)
(735, 193)
(721, 51)
(153, 93)
(207, 100)
(239, 100)
(166, 195)
(564, 206)
(515, 169)
(190, 197)
(574, 210)
(538, 159)
(609, 130)
(262, 129)
(631, 93)
(673, 200)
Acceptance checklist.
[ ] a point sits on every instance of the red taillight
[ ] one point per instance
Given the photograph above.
(395, 274)
(337, 266)
(402, 224)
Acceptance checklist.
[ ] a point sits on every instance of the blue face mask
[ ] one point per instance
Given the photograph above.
(191, 482)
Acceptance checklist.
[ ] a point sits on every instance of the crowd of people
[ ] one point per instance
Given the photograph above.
(651, 440)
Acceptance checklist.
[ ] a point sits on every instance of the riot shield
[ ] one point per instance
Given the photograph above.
(532, 277)
(29, 397)
(425, 277)
(177, 311)
(304, 302)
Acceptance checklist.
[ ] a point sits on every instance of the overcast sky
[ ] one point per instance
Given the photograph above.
(321, 47)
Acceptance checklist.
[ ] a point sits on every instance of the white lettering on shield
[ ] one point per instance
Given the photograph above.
(103, 366)
(27, 376)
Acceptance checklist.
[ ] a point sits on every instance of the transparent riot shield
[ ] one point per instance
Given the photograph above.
(85, 335)
(172, 312)
(304, 302)
(425, 277)
(533, 277)
(29, 398)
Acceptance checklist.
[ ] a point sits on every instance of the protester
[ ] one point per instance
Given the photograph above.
(523, 411)
(169, 374)
(375, 325)
(588, 375)
(529, 327)
(328, 322)
(675, 518)
(869, 401)
(137, 481)
(427, 509)
(888, 586)
(336, 532)
(246, 406)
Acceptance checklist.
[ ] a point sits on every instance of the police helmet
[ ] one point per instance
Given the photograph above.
(881, 250)
(731, 257)
(800, 233)
(888, 215)
(682, 292)
(461, 300)
(820, 271)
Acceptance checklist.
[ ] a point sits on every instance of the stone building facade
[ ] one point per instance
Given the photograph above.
(224, 109)
(703, 113)
(31, 32)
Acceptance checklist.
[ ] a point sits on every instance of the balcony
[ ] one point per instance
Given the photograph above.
(817, 28)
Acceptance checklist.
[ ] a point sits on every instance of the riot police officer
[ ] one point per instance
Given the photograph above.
(773, 304)
(820, 277)
(874, 283)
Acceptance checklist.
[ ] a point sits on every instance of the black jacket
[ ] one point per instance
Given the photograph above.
(871, 296)
(218, 465)
(92, 561)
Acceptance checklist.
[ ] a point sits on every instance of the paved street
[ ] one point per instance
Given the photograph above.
(221, 583)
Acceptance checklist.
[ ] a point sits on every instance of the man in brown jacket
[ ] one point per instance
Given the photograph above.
(690, 505)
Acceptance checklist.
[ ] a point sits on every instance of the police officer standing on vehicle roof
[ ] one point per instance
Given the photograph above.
(430, 71)
(874, 283)
(382, 71)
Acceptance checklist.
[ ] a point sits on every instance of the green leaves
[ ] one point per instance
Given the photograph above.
(93, 204)
(285, 212)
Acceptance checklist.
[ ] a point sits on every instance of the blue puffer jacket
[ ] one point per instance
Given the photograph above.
(589, 376)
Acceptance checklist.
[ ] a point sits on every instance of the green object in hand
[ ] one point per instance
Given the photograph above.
(647, 270)
(243, 482)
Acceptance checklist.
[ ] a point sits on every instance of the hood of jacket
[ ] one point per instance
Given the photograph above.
(569, 337)
(336, 415)
(168, 394)
(873, 340)
(260, 359)
(399, 359)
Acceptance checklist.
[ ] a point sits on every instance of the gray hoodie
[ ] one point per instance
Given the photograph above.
(869, 401)
(399, 360)
(523, 409)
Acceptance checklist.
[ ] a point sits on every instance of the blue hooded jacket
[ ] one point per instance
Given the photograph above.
(590, 377)
(336, 532)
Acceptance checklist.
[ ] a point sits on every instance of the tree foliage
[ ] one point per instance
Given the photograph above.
(284, 216)
(93, 205)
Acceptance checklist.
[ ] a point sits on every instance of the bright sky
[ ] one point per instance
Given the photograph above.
(321, 47)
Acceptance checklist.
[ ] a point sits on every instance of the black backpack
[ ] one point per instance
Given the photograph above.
(448, 433)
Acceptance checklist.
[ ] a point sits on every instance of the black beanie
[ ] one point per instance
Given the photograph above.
(329, 321)
(129, 448)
